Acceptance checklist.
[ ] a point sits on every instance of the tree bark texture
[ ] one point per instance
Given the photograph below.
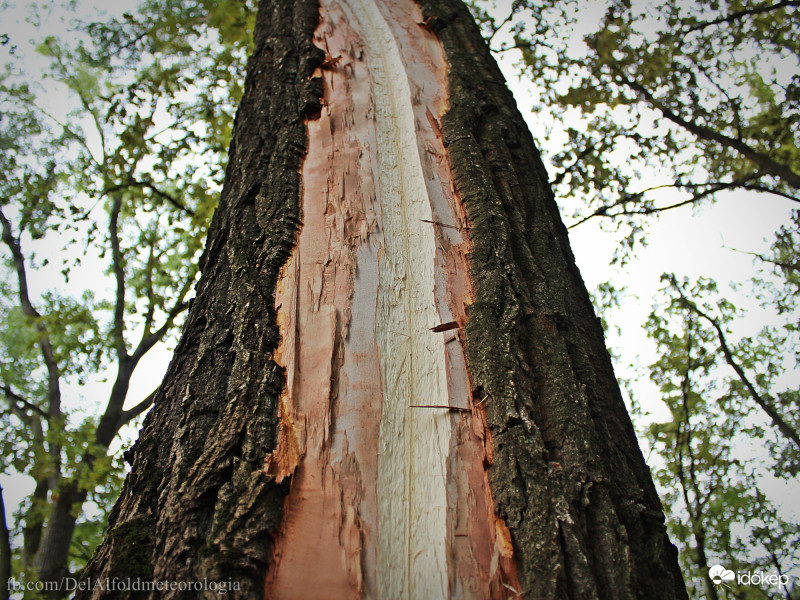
(391, 383)
(567, 474)
(197, 502)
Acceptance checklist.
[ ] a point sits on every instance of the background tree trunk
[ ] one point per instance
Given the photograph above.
(5, 547)
(352, 389)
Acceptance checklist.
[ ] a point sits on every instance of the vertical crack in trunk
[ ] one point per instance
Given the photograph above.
(389, 495)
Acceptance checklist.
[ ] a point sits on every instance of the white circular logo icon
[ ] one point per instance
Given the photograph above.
(720, 574)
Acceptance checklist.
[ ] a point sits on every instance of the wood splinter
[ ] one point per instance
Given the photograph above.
(432, 24)
(457, 408)
(330, 62)
(445, 326)
(440, 224)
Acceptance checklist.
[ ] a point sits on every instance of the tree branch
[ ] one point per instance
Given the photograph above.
(19, 265)
(150, 186)
(695, 509)
(151, 339)
(583, 154)
(73, 82)
(517, 46)
(765, 403)
(13, 396)
(787, 266)
(147, 342)
(766, 164)
(151, 300)
(71, 134)
(43, 337)
(117, 266)
(735, 16)
(33, 522)
(497, 28)
(795, 266)
(713, 187)
(128, 415)
(32, 421)
(761, 188)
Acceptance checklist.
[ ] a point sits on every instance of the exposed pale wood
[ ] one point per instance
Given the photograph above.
(326, 309)
(382, 503)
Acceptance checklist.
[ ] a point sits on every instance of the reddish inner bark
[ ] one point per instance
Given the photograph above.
(328, 306)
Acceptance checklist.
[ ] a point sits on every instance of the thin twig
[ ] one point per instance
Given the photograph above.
(735, 16)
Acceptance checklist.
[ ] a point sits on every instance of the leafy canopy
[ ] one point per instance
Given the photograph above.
(112, 166)
(660, 104)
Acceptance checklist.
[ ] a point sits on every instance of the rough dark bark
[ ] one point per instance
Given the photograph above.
(197, 503)
(567, 476)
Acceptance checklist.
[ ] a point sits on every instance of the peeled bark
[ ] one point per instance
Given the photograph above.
(391, 383)
(389, 495)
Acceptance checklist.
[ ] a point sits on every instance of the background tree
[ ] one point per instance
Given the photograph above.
(5, 540)
(724, 406)
(127, 171)
(706, 93)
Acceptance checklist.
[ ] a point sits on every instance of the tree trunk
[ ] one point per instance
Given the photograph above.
(34, 522)
(51, 543)
(52, 557)
(5, 549)
(408, 395)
